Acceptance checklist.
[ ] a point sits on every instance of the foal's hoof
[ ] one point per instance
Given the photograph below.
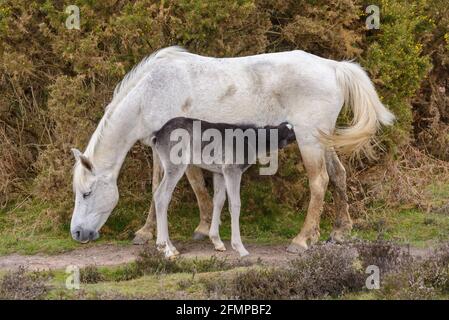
(198, 236)
(220, 248)
(142, 238)
(172, 256)
(169, 254)
(296, 248)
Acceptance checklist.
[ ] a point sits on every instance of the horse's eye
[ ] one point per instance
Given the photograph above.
(86, 195)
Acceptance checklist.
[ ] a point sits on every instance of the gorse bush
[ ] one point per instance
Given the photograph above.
(431, 104)
(396, 61)
(56, 82)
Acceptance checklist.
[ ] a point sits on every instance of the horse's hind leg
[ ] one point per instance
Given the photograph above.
(337, 175)
(313, 156)
(146, 233)
(219, 200)
(196, 180)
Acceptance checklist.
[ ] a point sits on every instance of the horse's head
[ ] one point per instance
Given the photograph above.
(96, 195)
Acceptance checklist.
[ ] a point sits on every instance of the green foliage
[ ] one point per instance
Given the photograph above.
(395, 60)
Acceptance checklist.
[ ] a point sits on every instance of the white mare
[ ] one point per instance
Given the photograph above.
(303, 89)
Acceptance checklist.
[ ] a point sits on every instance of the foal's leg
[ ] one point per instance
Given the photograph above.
(233, 177)
(337, 175)
(219, 199)
(162, 197)
(314, 161)
(146, 233)
(196, 180)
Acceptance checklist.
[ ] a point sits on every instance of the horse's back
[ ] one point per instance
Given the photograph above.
(263, 88)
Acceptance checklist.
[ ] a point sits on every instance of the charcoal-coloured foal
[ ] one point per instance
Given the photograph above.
(224, 162)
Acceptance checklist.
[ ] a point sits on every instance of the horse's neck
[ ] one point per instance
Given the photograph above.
(117, 137)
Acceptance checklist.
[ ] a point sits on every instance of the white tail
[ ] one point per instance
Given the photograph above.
(368, 111)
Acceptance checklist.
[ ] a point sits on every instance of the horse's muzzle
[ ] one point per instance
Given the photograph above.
(84, 235)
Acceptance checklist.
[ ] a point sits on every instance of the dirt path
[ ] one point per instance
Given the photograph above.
(111, 254)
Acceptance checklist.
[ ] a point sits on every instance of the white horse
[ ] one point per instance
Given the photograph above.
(303, 89)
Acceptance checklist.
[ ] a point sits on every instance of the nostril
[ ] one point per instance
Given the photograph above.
(76, 234)
(91, 235)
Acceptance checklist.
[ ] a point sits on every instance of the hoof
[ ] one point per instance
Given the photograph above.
(296, 248)
(244, 254)
(198, 236)
(173, 256)
(169, 254)
(220, 248)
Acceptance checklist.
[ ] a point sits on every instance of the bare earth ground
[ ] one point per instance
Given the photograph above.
(111, 255)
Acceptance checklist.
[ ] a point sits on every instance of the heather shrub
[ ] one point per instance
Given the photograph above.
(22, 285)
(91, 274)
(322, 271)
(387, 256)
(427, 278)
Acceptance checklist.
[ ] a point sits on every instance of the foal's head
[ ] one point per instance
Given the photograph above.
(286, 134)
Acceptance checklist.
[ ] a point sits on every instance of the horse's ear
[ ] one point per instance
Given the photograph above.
(82, 158)
(76, 153)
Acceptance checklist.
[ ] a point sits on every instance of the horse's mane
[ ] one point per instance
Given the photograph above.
(129, 81)
(139, 71)
(122, 89)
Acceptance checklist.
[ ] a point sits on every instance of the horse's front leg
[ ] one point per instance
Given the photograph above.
(162, 197)
(146, 233)
(314, 162)
(196, 180)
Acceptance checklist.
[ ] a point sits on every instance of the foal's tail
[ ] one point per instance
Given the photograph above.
(368, 112)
